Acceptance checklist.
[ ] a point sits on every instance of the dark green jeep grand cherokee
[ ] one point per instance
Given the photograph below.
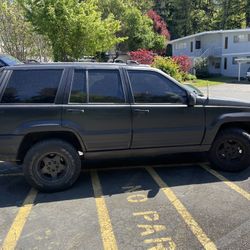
(52, 114)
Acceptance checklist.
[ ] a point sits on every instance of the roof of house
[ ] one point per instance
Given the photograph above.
(208, 33)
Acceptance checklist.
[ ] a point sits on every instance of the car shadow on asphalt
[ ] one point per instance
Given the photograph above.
(116, 177)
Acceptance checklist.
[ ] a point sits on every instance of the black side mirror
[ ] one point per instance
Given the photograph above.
(191, 99)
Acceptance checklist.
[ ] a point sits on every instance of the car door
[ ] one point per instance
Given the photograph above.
(28, 104)
(161, 115)
(97, 109)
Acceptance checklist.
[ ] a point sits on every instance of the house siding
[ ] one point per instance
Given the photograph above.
(213, 47)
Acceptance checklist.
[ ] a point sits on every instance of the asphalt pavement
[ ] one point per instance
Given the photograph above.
(151, 204)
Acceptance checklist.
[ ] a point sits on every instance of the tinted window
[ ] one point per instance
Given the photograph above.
(32, 86)
(79, 89)
(151, 87)
(105, 86)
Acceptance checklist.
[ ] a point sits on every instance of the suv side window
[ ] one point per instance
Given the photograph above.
(105, 86)
(32, 86)
(152, 87)
(79, 87)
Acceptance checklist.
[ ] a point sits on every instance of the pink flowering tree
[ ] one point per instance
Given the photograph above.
(160, 25)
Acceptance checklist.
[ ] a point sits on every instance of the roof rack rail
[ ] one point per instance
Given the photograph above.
(132, 62)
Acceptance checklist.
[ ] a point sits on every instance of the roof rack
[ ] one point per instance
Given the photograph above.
(132, 62)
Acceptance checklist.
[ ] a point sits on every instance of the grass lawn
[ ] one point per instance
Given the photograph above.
(211, 81)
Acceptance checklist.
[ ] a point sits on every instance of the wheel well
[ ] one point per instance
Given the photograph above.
(243, 125)
(32, 138)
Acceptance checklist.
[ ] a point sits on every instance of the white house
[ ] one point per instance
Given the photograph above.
(224, 49)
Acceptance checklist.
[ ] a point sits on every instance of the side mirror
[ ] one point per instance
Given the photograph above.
(191, 99)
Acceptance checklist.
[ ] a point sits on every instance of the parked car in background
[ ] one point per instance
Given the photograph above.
(248, 75)
(8, 60)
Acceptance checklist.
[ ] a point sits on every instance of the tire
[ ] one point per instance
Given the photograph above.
(52, 165)
(231, 150)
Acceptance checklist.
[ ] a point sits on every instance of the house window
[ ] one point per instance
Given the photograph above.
(182, 45)
(198, 45)
(217, 65)
(225, 63)
(226, 42)
(192, 47)
(242, 38)
(234, 60)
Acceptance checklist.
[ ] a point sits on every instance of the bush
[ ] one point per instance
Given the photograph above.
(201, 67)
(142, 56)
(189, 77)
(184, 62)
(169, 66)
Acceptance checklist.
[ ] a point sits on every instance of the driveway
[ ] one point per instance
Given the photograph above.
(239, 91)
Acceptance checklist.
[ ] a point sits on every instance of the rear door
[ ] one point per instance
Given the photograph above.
(97, 108)
(28, 100)
(161, 115)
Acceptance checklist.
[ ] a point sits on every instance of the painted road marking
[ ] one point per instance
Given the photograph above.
(187, 217)
(108, 237)
(227, 182)
(17, 226)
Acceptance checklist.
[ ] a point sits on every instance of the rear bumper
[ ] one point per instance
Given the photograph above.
(9, 146)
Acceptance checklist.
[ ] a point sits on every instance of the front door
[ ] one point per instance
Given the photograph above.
(97, 109)
(161, 116)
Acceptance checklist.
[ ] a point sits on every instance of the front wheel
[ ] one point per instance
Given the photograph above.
(231, 150)
(52, 165)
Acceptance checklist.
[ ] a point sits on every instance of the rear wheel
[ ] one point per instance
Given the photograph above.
(231, 150)
(52, 165)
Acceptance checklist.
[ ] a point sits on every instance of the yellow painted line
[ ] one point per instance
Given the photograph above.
(16, 228)
(230, 184)
(108, 237)
(187, 217)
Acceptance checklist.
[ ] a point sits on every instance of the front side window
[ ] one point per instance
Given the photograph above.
(79, 87)
(32, 86)
(152, 87)
(105, 86)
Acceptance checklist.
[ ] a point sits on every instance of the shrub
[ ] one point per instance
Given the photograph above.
(184, 62)
(142, 56)
(189, 77)
(169, 66)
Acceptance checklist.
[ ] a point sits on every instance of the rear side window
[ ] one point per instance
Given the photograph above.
(32, 86)
(79, 87)
(105, 86)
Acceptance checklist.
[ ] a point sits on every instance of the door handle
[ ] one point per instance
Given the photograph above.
(141, 110)
(75, 110)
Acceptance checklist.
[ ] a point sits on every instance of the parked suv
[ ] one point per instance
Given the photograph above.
(52, 114)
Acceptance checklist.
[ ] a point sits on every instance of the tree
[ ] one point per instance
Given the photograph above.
(160, 25)
(136, 25)
(17, 36)
(74, 28)
(186, 17)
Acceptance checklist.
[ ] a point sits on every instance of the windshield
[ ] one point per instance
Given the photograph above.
(9, 60)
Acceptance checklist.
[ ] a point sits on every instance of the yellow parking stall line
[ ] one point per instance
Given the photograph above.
(187, 217)
(230, 184)
(16, 228)
(108, 237)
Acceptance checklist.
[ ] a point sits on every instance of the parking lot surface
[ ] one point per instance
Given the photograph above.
(167, 206)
